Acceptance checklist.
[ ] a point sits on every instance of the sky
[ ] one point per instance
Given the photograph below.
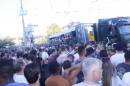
(61, 12)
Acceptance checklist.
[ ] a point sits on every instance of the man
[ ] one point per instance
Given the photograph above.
(53, 55)
(3, 55)
(119, 56)
(63, 55)
(110, 50)
(82, 54)
(26, 58)
(6, 73)
(124, 67)
(75, 48)
(45, 55)
(92, 71)
(32, 74)
(34, 52)
(73, 72)
(19, 69)
(70, 57)
(97, 52)
(90, 52)
(55, 79)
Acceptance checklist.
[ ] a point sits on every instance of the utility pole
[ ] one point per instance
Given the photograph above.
(24, 34)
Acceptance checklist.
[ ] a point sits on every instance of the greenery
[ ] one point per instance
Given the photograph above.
(53, 29)
(5, 41)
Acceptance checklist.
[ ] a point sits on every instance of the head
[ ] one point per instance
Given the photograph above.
(20, 54)
(107, 72)
(70, 57)
(88, 44)
(81, 51)
(103, 53)
(54, 52)
(26, 57)
(90, 52)
(119, 47)
(66, 64)
(67, 48)
(127, 56)
(32, 73)
(110, 50)
(32, 57)
(76, 48)
(92, 68)
(54, 68)
(99, 48)
(62, 48)
(39, 54)
(6, 71)
(34, 52)
(18, 65)
(3, 55)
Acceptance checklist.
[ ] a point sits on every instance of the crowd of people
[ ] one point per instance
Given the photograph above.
(89, 64)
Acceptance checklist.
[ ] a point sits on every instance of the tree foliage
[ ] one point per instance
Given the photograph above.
(53, 29)
(5, 41)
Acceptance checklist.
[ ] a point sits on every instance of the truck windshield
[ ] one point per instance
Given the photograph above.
(124, 29)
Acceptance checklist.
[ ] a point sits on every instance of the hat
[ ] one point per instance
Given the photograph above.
(119, 46)
(90, 50)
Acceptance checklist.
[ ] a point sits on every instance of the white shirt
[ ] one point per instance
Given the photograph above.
(116, 81)
(14, 58)
(84, 84)
(116, 59)
(76, 57)
(45, 55)
(20, 79)
(126, 79)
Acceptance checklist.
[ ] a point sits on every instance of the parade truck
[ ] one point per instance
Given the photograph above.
(117, 29)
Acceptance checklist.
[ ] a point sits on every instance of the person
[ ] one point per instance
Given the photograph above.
(110, 50)
(108, 78)
(55, 79)
(45, 55)
(126, 79)
(32, 74)
(103, 54)
(70, 58)
(92, 71)
(75, 48)
(82, 54)
(53, 55)
(73, 72)
(19, 69)
(97, 52)
(90, 52)
(6, 74)
(13, 56)
(32, 57)
(33, 52)
(20, 54)
(39, 59)
(27, 58)
(119, 56)
(63, 55)
(124, 67)
(3, 55)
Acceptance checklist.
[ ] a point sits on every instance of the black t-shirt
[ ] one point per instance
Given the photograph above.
(39, 59)
(122, 68)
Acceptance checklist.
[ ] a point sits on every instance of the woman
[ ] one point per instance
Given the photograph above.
(108, 79)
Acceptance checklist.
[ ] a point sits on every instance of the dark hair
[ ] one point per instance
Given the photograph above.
(127, 56)
(2, 54)
(81, 49)
(53, 66)
(20, 54)
(125, 50)
(34, 52)
(103, 53)
(6, 68)
(31, 72)
(18, 64)
(53, 50)
(107, 72)
(62, 48)
(66, 64)
(32, 57)
(26, 56)
(67, 47)
(70, 56)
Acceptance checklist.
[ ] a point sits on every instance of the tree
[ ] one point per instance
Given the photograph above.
(5, 41)
(53, 29)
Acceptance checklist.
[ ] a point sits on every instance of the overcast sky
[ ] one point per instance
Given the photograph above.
(45, 12)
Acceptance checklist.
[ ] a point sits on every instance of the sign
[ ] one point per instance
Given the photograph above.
(91, 36)
(22, 12)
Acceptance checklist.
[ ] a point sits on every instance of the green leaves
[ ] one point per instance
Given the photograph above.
(5, 41)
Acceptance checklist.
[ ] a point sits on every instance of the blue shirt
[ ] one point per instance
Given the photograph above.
(16, 84)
